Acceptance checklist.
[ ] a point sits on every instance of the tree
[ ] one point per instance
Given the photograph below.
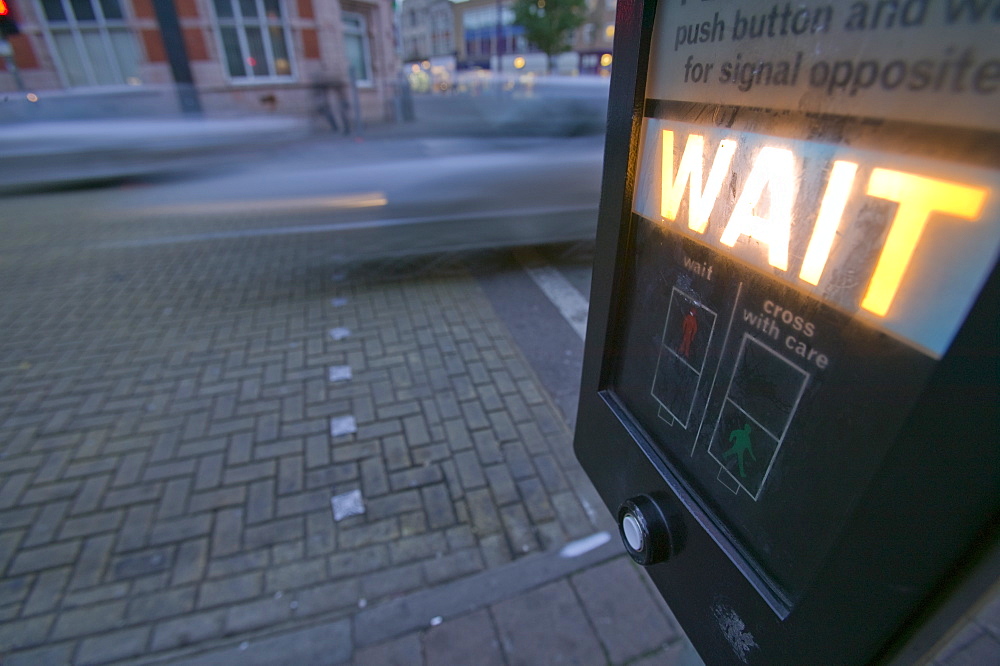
(548, 23)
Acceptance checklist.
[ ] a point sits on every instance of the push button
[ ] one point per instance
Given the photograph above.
(651, 533)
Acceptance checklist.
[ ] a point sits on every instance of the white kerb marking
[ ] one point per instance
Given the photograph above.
(347, 504)
(340, 373)
(343, 425)
(584, 545)
(568, 300)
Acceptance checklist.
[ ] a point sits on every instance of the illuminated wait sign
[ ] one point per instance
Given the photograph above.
(905, 242)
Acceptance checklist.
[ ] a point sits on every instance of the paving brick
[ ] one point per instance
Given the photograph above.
(26, 633)
(209, 472)
(89, 620)
(399, 409)
(396, 453)
(470, 471)
(240, 563)
(392, 581)
(343, 452)
(141, 564)
(453, 565)
(460, 536)
(299, 574)
(276, 531)
(227, 532)
(404, 651)
(628, 620)
(239, 450)
(45, 557)
(288, 552)
(550, 474)
(438, 505)
(52, 468)
(169, 470)
(290, 474)
(317, 451)
(50, 654)
(374, 479)
(415, 477)
(572, 516)
(146, 492)
(256, 614)
(151, 607)
(423, 455)
(180, 529)
(457, 435)
(219, 592)
(251, 472)
(502, 485)
(467, 639)
(474, 416)
(190, 562)
(93, 595)
(217, 499)
(327, 597)
(89, 497)
(50, 492)
(175, 498)
(536, 500)
(13, 591)
(487, 447)
(279, 450)
(482, 512)
(43, 530)
(518, 461)
(188, 630)
(424, 546)
(306, 502)
(380, 429)
(46, 593)
(369, 533)
(415, 431)
(93, 561)
(129, 469)
(260, 501)
(320, 534)
(393, 504)
(546, 624)
(519, 529)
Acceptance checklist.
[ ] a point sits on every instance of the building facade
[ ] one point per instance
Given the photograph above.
(486, 29)
(427, 29)
(243, 55)
(594, 39)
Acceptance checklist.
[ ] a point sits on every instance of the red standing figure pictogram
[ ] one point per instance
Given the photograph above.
(689, 328)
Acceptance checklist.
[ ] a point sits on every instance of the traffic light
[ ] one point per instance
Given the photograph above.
(8, 26)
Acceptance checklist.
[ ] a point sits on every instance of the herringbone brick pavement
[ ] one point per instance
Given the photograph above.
(167, 459)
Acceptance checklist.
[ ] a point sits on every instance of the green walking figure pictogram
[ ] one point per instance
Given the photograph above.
(740, 447)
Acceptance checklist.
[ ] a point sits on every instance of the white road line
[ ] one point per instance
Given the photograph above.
(338, 226)
(301, 204)
(571, 303)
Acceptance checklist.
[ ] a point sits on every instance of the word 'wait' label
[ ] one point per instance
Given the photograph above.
(904, 242)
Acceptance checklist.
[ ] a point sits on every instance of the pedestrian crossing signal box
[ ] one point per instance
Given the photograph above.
(789, 398)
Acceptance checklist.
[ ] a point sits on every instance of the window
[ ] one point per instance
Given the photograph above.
(91, 42)
(358, 48)
(254, 38)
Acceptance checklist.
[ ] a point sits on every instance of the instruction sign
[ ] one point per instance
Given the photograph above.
(917, 60)
(787, 274)
(792, 335)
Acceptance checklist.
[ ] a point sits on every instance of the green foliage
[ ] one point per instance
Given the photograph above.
(548, 23)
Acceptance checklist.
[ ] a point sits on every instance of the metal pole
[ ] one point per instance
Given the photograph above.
(8, 57)
(180, 67)
(499, 50)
